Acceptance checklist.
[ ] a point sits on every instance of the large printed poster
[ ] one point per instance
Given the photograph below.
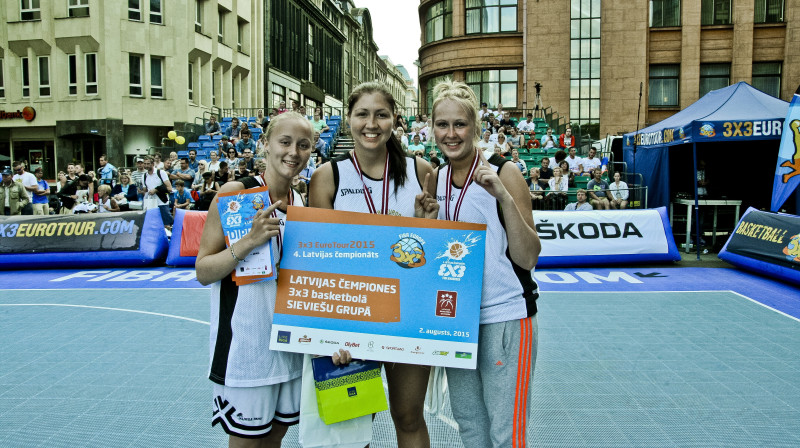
(386, 288)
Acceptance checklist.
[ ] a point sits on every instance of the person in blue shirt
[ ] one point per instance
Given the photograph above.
(107, 171)
(321, 147)
(41, 205)
(246, 142)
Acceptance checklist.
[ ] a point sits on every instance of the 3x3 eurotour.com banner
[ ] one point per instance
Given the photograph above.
(82, 240)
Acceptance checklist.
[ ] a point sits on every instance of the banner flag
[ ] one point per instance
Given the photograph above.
(787, 171)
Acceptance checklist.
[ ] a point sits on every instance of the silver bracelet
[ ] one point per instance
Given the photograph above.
(233, 254)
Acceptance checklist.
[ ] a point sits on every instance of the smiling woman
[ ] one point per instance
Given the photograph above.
(263, 386)
(377, 177)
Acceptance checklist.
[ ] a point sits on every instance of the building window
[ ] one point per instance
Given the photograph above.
(584, 94)
(430, 84)
(767, 78)
(78, 8)
(29, 10)
(44, 76)
(240, 35)
(293, 96)
(491, 16)
(221, 27)
(439, 21)
(198, 16)
(156, 77)
(91, 73)
(665, 13)
(135, 74)
(714, 76)
(346, 61)
(191, 82)
(494, 87)
(213, 87)
(311, 71)
(26, 78)
(2, 82)
(233, 92)
(664, 85)
(155, 12)
(135, 10)
(769, 11)
(715, 12)
(72, 85)
(278, 95)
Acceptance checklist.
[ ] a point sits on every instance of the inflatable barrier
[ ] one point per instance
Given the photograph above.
(82, 240)
(186, 233)
(766, 243)
(599, 238)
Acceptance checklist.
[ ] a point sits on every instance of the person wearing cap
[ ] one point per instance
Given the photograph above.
(12, 195)
(138, 175)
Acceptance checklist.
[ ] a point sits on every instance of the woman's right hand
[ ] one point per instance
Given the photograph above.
(425, 204)
(341, 357)
(264, 226)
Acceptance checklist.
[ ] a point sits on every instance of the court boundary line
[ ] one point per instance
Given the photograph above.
(69, 305)
(764, 305)
(661, 292)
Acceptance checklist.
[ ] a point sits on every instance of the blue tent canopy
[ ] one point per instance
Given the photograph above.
(738, 112)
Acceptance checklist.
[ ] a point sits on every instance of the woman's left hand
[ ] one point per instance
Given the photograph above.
(487, 178)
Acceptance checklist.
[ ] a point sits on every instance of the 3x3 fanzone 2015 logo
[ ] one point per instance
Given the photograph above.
(453, 268)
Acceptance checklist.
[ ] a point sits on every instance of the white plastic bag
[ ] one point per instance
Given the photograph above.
(437, 390)
(148, 203)
(314, 433)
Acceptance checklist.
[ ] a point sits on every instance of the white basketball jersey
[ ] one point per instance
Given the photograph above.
(241, 323)
(509, 291)
(350, 190)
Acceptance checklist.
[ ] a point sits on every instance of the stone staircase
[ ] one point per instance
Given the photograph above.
(343, 146)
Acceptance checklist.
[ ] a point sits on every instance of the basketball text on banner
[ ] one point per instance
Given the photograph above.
(768, 243)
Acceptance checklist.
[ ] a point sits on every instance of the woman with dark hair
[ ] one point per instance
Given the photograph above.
(401, 123)
(377, 177)
(565, 171)
(491, 404)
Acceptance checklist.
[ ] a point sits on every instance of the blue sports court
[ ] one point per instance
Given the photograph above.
(628, 357)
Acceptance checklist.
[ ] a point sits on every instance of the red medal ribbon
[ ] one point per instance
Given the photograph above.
(449, 189)
(384, 192)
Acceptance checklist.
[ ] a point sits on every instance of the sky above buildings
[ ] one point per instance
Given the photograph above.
(395, 29)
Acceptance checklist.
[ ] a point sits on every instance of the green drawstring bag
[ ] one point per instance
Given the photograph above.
(347, 391)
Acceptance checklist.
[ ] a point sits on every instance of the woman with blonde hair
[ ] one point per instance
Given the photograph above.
(490, 404)
(106, 203)
(256, 390)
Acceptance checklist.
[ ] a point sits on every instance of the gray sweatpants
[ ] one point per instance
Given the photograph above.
(491, 404)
